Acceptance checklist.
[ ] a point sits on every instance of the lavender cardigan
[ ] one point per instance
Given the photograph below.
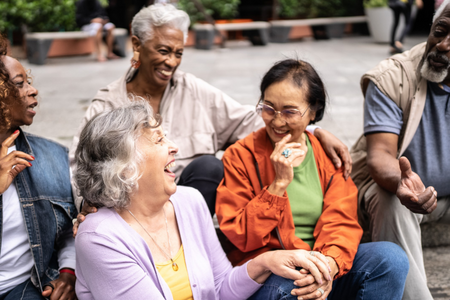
(114, 262)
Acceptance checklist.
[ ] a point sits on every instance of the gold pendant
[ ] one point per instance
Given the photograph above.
(174, 266)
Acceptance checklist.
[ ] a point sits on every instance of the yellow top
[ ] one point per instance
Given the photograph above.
(178, 281)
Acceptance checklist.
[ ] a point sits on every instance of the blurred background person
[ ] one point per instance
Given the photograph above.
(92, 18)
(400, 7)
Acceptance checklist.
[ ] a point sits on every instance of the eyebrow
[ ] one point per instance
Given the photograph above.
(18, 75)
(284, 107)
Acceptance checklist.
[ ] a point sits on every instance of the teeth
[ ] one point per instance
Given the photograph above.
(279, 132)
(166, 73)
(172, 164)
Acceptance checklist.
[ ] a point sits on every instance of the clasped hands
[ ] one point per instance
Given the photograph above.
(412, 192)
(314, 280)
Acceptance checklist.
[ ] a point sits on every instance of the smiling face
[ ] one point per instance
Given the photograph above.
(161, 55)
(22, 109)
(436, 61)
(158, 157)
(285, 95)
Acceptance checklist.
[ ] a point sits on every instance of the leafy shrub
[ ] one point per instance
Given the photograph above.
(37, 15)
(375, 3)
(218, 9)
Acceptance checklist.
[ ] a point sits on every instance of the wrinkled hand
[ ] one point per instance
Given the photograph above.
(412, 192)
(64, 288)
(284, 172)
(85, 210)
(308, 286)
(336, 150)
(7, 161)
(284, 263)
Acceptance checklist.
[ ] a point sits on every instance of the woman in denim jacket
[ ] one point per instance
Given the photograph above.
(37, 255)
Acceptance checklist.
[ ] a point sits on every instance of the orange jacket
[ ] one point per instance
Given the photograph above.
(256, 221)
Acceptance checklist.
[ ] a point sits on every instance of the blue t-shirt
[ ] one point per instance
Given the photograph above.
(429, 150)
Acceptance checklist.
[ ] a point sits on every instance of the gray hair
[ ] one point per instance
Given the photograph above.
(440, 10)
(158, 15)
(107, 157)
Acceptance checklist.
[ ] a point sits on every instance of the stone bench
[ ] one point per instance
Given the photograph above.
(38, 43)
(257, 33)
(280, 29)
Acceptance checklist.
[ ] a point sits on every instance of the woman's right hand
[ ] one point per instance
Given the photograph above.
(85, 210)
(8, 161)
(284, 171)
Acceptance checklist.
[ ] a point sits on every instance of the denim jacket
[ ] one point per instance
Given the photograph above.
(46, 201)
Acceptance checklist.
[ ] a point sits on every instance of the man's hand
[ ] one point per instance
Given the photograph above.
(85, 210)
(335, 149)
(411, 190)
(64, 288)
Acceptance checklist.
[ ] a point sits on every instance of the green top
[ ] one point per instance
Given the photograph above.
(306, 197)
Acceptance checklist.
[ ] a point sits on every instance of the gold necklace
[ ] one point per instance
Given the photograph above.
(174, 264)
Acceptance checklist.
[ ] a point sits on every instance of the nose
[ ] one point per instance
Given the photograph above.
(444, 44)
(278, 120)
(32, 91)
(171, 61)
(173, 148)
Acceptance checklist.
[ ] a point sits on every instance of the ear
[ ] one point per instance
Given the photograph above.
(136, 42)
(312, 115)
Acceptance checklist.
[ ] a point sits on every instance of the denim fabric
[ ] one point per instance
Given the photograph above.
(379, 272)
(24, 291)
(46, 200)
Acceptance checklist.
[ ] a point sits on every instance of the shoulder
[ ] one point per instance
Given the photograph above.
(103, 222)
(41, 142)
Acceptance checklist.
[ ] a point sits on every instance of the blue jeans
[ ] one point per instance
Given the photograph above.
(379, 272)
(24, 291)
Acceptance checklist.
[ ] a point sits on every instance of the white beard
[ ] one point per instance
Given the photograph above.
(429, 74)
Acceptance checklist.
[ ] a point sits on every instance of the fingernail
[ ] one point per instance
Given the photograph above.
(30, 164)
(296, 284)
(320, 281)
(329, 277)
(17, 131)
(292, 293)
(32, 157)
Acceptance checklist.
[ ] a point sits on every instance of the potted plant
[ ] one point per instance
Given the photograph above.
(379, 19)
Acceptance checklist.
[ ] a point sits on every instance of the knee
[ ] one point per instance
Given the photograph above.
(390, 259)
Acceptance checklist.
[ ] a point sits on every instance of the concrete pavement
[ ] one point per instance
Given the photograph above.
(67, 84)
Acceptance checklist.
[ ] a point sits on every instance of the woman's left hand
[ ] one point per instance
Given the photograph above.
(335, 150)
(309, 287)
(64, 288)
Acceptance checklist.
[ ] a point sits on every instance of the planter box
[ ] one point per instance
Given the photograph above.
(380, 20)
(325, 32)
(71, 47)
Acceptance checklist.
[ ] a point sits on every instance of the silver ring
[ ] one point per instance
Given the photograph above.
(312, 253)
(287, 152)
(73, 221)
(321, 291)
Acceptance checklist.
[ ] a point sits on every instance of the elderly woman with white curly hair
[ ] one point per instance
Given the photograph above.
(151, 239)
(198, 117)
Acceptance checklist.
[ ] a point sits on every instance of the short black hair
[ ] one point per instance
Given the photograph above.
(302, 75)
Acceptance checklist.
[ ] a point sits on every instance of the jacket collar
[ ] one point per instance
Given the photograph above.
(22, 143)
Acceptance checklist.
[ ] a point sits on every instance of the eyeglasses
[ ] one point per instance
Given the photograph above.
(289, 115)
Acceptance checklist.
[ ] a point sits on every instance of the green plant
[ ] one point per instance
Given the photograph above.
(318, 8)
(218, 9)
(375, 3)
(37, 15)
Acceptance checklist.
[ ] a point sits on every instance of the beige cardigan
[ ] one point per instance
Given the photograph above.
(398, 77)
(197, 117)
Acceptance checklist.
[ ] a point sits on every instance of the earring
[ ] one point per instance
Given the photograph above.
(135, 62)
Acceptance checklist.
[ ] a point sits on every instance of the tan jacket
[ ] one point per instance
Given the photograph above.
(398, 77)
(197, 117)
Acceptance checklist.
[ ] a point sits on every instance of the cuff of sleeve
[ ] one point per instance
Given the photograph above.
(244, 285)
(335, 253)
(312, 128)
(68, 263)
(275, 200)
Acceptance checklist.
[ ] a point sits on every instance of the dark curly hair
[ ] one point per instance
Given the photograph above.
(302, 75)
(8, 90)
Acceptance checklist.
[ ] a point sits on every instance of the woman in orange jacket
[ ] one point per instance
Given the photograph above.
(281, 191)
